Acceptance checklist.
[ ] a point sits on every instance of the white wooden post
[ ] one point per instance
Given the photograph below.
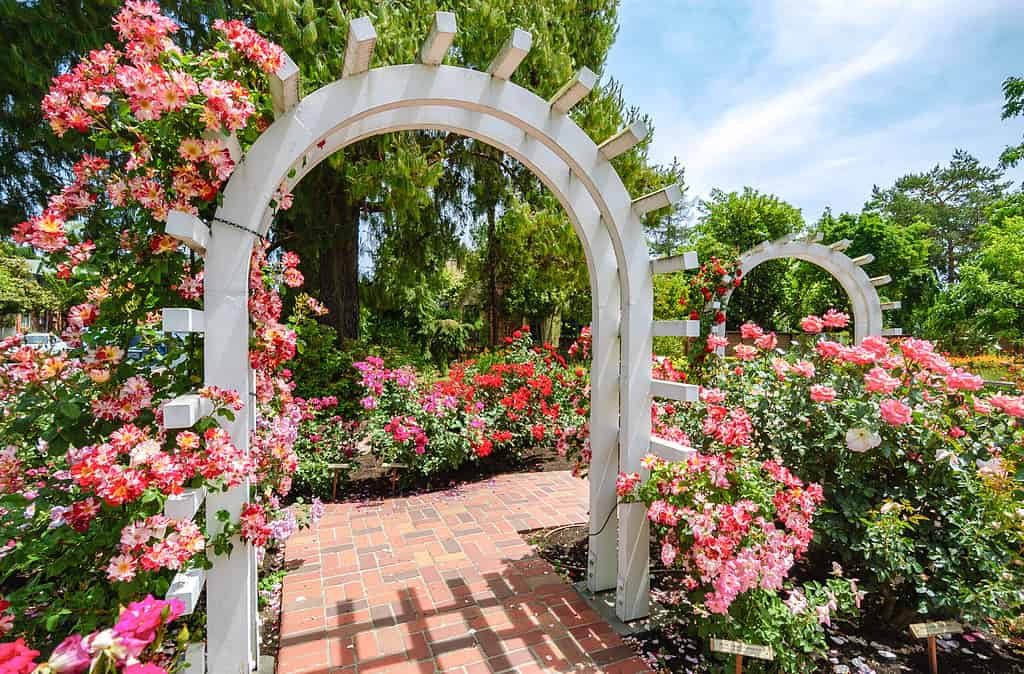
(232, 646)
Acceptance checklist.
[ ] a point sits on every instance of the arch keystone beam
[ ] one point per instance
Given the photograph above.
(362, 38)
(624, 140)
(511, 55)
(284, 86)
(188, 229)
(667, 265)
(439, 41)
(666, 196)
(573, 91)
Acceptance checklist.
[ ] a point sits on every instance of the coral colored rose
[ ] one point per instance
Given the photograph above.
(716, 342)
(822, 394)
(835, 319)
(750, 331)
(812, 324)
(894, 412)
(878, 380)
(17, 658)
(767, 341)
(745, 352)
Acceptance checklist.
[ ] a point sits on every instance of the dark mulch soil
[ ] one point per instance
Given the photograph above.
(855, 647)
(369, 480)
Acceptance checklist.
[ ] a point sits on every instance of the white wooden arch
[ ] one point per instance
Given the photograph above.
(862, 289)
(538, 133)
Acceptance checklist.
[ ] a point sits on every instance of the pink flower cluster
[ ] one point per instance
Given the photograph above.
(404, 429)
(254, 46)
(727, 546)
(157, 542)
(140, 624)
(730, 427)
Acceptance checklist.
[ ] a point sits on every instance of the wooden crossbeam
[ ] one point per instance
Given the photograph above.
(686, 328)
(624, 140)
(362, 38)
(511, 54)
(662, 198)
(188, 229)
(182, 320)
(667, 265)
(439, 41)
(573, 91)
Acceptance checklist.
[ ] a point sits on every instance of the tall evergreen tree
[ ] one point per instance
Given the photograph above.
(951, 199)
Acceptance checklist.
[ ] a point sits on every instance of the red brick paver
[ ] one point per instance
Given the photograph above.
(443, 582)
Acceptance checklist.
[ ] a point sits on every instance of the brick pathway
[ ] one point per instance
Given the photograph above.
(443, 583)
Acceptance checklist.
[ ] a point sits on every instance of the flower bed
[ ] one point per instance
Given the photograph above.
(498, 405)
(919, 465)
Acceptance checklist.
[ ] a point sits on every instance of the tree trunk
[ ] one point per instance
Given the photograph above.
(492, 278)
(339, 264)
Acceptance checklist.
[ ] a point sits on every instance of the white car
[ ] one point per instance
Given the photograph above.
(45, 341)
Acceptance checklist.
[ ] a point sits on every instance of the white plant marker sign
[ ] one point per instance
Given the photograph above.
(488, 107)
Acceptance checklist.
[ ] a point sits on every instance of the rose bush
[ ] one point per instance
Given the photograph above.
(502, 404)
(734, 526)
(87, 463)
(325, 440)
(920, 466)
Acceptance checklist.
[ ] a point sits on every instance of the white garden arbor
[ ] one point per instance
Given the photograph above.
(848, 271)
(488, 107)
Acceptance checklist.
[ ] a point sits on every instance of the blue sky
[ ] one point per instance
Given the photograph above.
(817, 100)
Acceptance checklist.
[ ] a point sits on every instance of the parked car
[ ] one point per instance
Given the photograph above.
(45, 341)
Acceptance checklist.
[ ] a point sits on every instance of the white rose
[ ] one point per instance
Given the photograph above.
(862, 439)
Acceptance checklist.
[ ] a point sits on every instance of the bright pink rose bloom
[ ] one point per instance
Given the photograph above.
(878, 380)
(141, 619)
(822, 394)
(147, 668)
(835, 319)
(70, 657)
(894, 412)
(750, 331)
(812, 324)
(17, 658)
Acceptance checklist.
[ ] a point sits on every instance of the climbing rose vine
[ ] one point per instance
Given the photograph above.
(87, 464)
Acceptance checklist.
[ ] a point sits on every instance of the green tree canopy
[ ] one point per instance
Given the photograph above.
(952, 200)
(987, 305)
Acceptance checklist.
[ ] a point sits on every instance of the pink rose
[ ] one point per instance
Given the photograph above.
(878, 381)
(894, 412)
(835, 319)
(822, 394)
(812, 324)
